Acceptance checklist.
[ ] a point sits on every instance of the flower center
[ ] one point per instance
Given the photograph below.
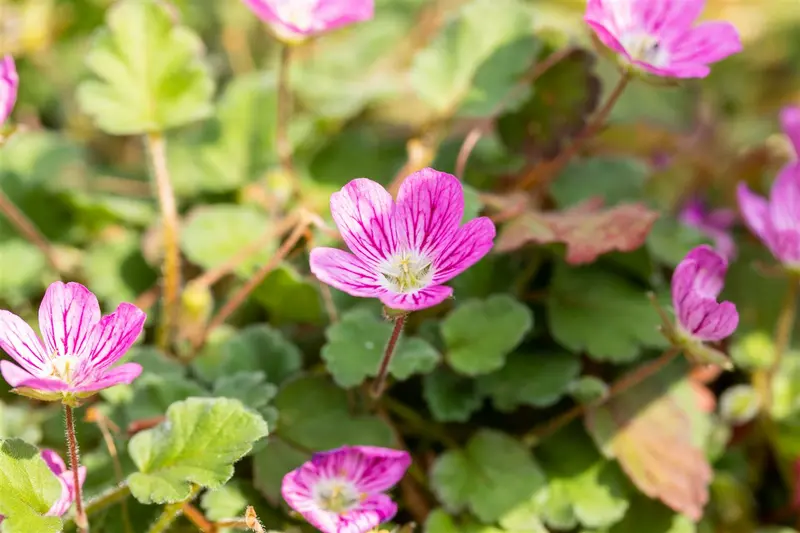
(645, 48)
(60, 367)
(407, 272)
(298, 13)
(337, 495)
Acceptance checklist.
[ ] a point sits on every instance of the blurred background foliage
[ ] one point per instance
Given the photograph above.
(535, 328)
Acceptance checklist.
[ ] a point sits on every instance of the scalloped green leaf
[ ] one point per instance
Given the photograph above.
(149, 75)
(450, 397)
(490, 476)
(356, 345)
(28, 488)
(479, 334)
(198, 444)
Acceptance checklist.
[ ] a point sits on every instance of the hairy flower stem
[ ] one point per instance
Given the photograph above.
(72, 445)
(171, 513)
(170, 230)
(380, 380)
(27, 229)
(541, 174)
(284, 145)
(783, 336)
(624, 383)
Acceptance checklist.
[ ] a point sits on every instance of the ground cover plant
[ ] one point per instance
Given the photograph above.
(462, 266)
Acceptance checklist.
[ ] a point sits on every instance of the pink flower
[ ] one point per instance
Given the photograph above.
(9, 82)
(658, 36)
(342, 490)
(65, 477)
(716, 223)
(696, 284)
(790, 121)
(294, 20)
(402, 251)
(79, 346)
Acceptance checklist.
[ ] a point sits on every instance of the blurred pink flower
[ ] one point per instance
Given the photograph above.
(65, 477)
(79, 346)
(696, 284)
(777, 221)
(716, 223)
(9, 83)
(294, 20)
(658, 36)
(403, 251)
(342, 490)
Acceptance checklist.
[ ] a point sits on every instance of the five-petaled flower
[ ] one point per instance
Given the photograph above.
(777, 221)
(295, 20)
(9, 83)
(342, 490)
(696, 284)
(715, 223)
(402, 251)
(65, 478)
(79, 348)
(658, 36)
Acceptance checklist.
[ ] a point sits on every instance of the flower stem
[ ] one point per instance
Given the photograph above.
(783, 336)
(284, 114)
(72, 445)
(28, 230)
(380, 380)
(627, 381)
(171, 513)
(541, 174)
(170, 231)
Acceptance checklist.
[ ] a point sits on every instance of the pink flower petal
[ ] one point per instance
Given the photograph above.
(414, 301)
(19, 341)
(430, 205)
(708, 42)
(607, 37)
(65, 477)
(114, 335)
(784, 204)
(786, 247)
(9, 84)
(666, 18)
(333, 14)
(315, 17)
(373, 511)
(17, 378)
(67, 317)
(123, 374)
(371, 468)
(364, 213)
(345, 272)
(710, 274)
(790, 121)
(54, 461)
(708, 320)
(755, 212)
(466, 247)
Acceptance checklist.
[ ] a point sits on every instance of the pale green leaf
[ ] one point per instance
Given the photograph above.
(288, 297)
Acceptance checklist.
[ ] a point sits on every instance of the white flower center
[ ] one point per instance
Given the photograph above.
(337, 495)
(298, 13)
(60, 367)
(645, 48)
(407, 272)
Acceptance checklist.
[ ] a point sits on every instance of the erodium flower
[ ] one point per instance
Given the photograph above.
(696, 284)
(777, 221)
(659, 36)
(342, 490)
(80, 346)
(9, 83)
(295, 20)
(402, 251)
(65, 477)
(715, 223)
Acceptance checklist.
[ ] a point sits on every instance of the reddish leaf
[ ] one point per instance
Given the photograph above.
(654, 430)
(588, 230)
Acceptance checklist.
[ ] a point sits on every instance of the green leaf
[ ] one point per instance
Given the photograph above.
(250, 388)
(614, 179)
(21, 421)
(601, 313)
(538, 380)
(439, 521)
(670, 241)
(28, 488)
(754, 351)
(116, 269)
(272, 463)
(214, 234)
(592, 488)
(477, 58)
(588, 389)
(149, 75)
(450, 397)
(356, 345)
(739, 404)
(288, 297)
(227, 501)
(198, 444)
(257, 347)
(492, 475)
(479, 334)
(21, 266)
(658, 518)
(786, 387)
